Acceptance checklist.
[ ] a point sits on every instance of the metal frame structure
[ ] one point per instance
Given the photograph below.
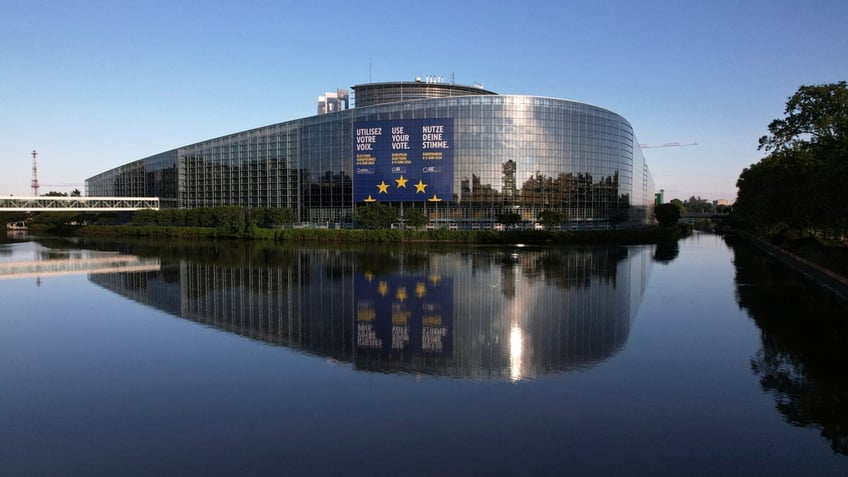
(77, 204)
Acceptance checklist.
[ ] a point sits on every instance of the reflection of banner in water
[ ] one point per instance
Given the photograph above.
(404, 314)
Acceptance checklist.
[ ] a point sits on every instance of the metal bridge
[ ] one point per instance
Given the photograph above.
(77, 204)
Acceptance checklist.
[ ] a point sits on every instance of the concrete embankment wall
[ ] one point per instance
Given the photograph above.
(834, 283)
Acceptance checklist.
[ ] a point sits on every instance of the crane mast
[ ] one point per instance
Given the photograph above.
(34, 184)
(668, 144)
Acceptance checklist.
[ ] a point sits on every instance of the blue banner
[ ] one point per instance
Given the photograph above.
(404, 160)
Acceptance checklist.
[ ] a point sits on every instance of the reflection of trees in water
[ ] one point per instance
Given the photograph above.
(665, 252)
(219, 252)
(804, 351)
(576, 267)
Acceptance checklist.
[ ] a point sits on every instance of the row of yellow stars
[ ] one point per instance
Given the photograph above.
(420, 288)
(400, 293)
(383, 188)
(433, 278)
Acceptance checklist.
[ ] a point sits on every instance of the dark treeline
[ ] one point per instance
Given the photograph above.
(799, 188)
(231, 220)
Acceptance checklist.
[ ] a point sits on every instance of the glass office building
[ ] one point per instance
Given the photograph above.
(460, 154)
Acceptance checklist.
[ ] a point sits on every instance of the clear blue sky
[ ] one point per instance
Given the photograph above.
(95, 84)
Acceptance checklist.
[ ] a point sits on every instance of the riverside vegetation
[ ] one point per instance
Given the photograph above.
(795, 196)
(232, 222)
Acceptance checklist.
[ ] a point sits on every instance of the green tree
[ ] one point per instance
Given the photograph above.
(679, 204)
(772, 193)
(229, 219)
(800, 183)
(6, 217)
(508, 218)
(376, 215)
(816, 116)
(722, 209)
(697, 205)
(258, 217)
(284, 216)
(667, 214)
(416, 218)
(144, 217)
(551, 218)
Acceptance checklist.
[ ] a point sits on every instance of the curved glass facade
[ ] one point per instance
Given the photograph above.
(506, 154)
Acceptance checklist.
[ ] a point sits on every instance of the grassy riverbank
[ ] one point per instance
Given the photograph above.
(622, 236)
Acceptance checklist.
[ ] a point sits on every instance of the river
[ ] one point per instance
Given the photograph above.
(150, 358)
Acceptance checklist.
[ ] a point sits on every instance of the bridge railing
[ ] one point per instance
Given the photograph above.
(77, 204)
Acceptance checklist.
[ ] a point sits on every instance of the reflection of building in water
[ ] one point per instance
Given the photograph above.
(534, 312)
(305, 304)
(480, 313)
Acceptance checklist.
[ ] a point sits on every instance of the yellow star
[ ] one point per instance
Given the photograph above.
(435, 279)
(420, 290)
(384, 188)
(370, 199)
(401, 182)
(383, 288)
(369, 276)
(420, 187)
(434, 199)
(401, 294)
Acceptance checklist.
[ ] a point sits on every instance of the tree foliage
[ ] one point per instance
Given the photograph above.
(551, 218)
(376, 215)
(416, 218)
(697, 205)
(667, 214)
(799, 185)
(270, 217)
(229, 220)
(508, 218)
(816, 116)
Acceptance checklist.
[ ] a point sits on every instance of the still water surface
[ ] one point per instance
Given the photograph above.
(138, 358)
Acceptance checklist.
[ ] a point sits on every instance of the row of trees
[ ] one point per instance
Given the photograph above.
(53, 193)
(695, 205)
(230, 219)
(800, 184)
